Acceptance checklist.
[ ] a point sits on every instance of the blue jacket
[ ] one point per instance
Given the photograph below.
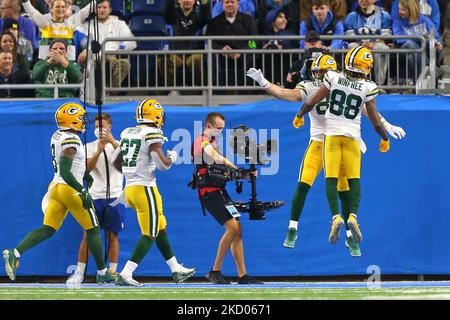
(379, 22)
(434, 15)
(245, 6)
(423, 26)
(27, 28)
(338, 30)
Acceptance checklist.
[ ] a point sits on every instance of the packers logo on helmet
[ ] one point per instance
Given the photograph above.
(150, 111)
(359, 60)
(71, 116)
(322, 64)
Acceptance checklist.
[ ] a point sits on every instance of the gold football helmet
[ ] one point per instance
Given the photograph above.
(359, 60)
(71, 115)
(321, 64)
(150, 111)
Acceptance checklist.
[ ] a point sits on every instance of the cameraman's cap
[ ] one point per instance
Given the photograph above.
(312, 36)
(10, 23)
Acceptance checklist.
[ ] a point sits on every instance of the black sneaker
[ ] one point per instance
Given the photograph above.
(246, 279)
(216, 277)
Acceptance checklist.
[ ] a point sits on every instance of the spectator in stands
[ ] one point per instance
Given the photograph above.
(56, 69)
(112, 26)
(186, 19)
(289, 7)
(277, 64)
(428, 8)
(56, 25)
(8, 42)
(323, 22)
(369, 19)
(231, 22)
(297, 71)
(245, 6)
(11, 9)
(24, 46)
(412, 22)
(386, 5)
(12, 75)
(443, 13)
(338, 7)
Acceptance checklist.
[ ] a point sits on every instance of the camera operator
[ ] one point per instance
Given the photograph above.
(213, 196)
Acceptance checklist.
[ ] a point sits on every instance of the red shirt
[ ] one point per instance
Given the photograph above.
(197, 152)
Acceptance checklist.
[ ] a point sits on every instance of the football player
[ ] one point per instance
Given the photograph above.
(347, 92)
(66, 193)
(311, 164)
(141, 154)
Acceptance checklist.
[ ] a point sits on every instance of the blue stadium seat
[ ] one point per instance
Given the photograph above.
(147, 25)
(147, 6)
(118, 6)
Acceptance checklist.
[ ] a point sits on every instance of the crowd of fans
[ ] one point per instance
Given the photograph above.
(44, 41)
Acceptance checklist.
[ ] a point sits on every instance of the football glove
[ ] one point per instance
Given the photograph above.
(298, 122)
(257, 75)
(396, 132)
(86, 199)
(172, 155)
(384, 145)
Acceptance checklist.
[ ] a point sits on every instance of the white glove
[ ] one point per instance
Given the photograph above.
(257, 75)
(396, 132)
(172, 155)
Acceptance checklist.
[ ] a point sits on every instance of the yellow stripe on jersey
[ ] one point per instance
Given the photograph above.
(301, 87)
(373, 92)
(71, 141)
(153, 136)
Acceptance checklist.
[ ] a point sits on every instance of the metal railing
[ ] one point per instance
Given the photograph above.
(221, 78)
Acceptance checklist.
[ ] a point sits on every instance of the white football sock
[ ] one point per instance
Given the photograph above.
(349, 233)
(101, 272)
(16, 253)
(113, 267)
(81, 267)
(293, 224)
(129, 268)
(173, 264)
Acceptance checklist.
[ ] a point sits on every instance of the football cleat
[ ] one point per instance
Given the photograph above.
(108, 277)
(291, 236)
(182, 274)
(76, 278)
(336, 227)
(11, 263)
(353, 247)
(122, 280)
(354, 228)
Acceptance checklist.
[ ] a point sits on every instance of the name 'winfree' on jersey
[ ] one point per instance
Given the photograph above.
(60, 141)
(317, 114)
(346, 99)
(138, 167)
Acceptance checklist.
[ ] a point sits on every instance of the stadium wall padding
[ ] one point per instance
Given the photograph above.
(404, 212)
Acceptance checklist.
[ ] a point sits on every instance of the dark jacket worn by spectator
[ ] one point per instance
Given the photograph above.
(242, 25)
(10, 74)
(289, 8)
(190, 25)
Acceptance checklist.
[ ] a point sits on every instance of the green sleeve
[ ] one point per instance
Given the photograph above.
(65, 165)
(39, 70)
(73, 73)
